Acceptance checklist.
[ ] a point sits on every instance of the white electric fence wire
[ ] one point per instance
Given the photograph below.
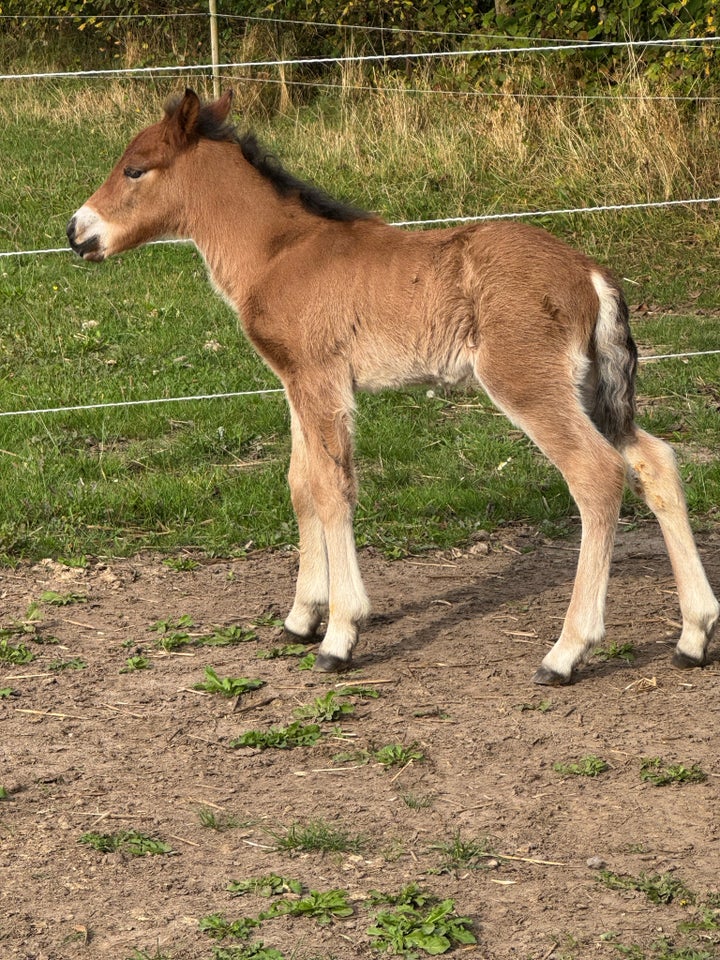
(140, 403)
(497, 94)
(362, 58)
(255, 393)
(648, 205)
(523, 214)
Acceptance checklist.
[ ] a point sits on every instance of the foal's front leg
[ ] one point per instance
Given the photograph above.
(324, 495)
(312, 587)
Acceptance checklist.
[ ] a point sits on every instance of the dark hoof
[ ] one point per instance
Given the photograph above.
(549, 678)
(328, 663)
(291, 637)
(683, 661)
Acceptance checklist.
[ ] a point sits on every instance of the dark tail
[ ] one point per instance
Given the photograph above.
(616, 355)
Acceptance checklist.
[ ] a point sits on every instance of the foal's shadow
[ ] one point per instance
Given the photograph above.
(525, 580)
(463, 601)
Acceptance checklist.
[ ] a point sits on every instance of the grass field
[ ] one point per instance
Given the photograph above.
(434, 468)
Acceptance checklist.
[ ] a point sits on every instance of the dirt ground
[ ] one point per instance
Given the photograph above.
(451, 648)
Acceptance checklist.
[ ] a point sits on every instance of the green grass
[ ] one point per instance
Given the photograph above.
(460, 854)
(317, 836)
(211, 474)
(659, 888)
(218, 822)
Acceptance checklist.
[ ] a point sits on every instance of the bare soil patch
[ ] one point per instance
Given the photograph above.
(452, 646)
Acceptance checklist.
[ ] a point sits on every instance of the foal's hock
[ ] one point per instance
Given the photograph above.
(336, 300)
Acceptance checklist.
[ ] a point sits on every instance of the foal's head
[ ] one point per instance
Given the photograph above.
(139, 201)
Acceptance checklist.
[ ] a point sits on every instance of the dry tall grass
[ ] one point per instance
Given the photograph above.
(433, 153)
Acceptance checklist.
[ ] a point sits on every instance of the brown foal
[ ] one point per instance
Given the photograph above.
(336, 300)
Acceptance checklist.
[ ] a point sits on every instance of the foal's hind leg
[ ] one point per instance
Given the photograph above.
(653, 475)
(552, 417)
(311, 591)
(324, 494)
(594, 473)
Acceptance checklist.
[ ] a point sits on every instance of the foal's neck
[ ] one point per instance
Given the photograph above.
(237, 220)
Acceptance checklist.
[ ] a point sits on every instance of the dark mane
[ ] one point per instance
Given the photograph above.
(314, 199)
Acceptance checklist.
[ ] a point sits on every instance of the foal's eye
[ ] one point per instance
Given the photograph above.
(133, 173)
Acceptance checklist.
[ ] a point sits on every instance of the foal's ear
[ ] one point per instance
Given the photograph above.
(184, 119)
(221, 108)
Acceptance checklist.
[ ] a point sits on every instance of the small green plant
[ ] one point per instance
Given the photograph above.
(296, 734)
(181, 563)
(654, 770)
(227, 686)
(412, 895)
(136, 662)
(167, 626)
(129, 841)
(144, 955)
(271, 885)
(410, 927)
(226, 636)
(657, 887)
(307, 662)
(250, 951)
(617, 651)
(288, 650)
(174, 640)
(663, 949)
(418, 801)
(317, 836)
(542, 706)
(270, 619)
(28, 625)
(15, 654)
(216, 926)
(359, 690)
(77, 563)
(589, 766)
(6, 693)
(74, 663)
(325, 709)
(323, 907)
(4, 793)
(708, 919)
(61, 599)
(218, 822)
(461, 854)
(395, 754)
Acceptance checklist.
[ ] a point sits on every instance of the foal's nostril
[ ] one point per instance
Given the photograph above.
(71, 231)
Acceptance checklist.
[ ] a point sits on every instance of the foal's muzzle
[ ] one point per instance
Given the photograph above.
(87, 249)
